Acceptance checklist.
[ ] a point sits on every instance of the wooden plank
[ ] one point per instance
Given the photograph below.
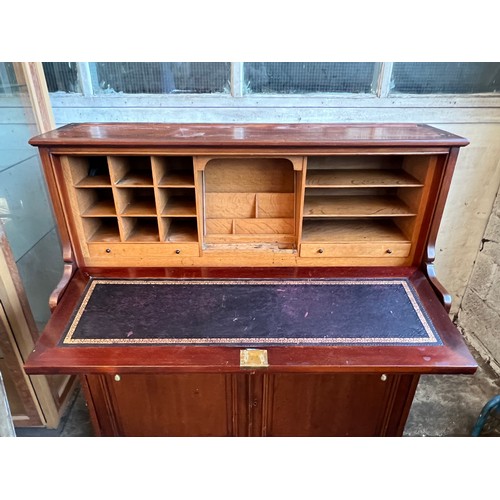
(280, 205)
(355, 206)
(351, 230)
(39, 95)
(360, 178)
(219, 226)
(264, 226)
(229, 205)
(249, 175)
(253, 239)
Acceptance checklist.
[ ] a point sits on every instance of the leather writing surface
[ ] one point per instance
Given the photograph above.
(251, 313)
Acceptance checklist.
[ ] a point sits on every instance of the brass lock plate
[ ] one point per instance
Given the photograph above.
(253, 358)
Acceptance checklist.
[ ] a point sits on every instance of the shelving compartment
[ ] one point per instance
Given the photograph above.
(363, 206)
(140, 229)
(179, 230)
(96, 202)
(177, 202)
(90, 171)
(173, 171)
(101, 229)
(249, 201)
(137, 202)
(131, 171)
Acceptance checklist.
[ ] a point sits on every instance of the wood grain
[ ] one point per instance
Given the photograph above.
(360, 178)
(355, 206)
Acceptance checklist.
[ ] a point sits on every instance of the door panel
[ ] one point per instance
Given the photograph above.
(326, 405)
(166, 405)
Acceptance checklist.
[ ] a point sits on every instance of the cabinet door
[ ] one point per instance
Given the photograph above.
(163, 405)
(335, 405)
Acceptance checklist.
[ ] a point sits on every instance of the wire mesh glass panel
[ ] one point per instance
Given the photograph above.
(61, 76)
(161, 77)
(308, 77)
(445, 77)
(8, 81)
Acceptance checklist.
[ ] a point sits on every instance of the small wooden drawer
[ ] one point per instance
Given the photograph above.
(401, 249)
(141, 250)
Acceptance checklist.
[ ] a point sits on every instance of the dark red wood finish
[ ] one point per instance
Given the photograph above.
(247, 135)
(452, 357)
(201, 390)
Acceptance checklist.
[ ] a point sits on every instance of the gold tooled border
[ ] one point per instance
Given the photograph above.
(68, 339)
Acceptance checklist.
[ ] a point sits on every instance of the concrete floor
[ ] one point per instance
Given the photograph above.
(444, 405)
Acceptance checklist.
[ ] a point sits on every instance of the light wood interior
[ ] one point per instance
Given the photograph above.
(249, 200)
(364, 200)
(254, 204)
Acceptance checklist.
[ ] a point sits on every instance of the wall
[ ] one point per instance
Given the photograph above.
(479, 314)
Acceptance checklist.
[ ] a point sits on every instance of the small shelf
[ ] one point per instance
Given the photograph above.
(89, 171)
(139, 202)
(344, 231)
(177, 179)
(355, 206)
(141, 208)
(141, 229)
(180, 230)
(180, 206)
(96, 202)
(96, 181)
(101, 208)
(363, 178)
(174, 171)
(177, 202)
(102, 230)
(131, 171)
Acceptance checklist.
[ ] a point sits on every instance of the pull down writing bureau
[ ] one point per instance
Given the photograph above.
(236, 280)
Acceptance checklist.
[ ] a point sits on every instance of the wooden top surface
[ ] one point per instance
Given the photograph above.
(51, 357)
(248, 135)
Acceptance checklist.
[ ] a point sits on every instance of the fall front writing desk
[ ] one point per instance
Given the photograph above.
(249, 280)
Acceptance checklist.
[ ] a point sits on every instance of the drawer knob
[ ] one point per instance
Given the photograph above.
(117, 378)
(383, 377)
(388, 251)
(320, 250)
(108, 250)
(177, 251)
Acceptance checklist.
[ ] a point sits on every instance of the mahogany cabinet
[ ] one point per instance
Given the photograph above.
(249, 280)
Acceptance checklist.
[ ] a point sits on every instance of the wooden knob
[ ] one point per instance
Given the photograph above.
(320, 250)
(177, 251)
(388, 250)
(108, 250)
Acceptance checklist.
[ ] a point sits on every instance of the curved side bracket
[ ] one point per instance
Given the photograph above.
(55, 296)
(441, 292)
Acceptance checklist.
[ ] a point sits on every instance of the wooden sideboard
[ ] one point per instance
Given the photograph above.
(236, 280)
